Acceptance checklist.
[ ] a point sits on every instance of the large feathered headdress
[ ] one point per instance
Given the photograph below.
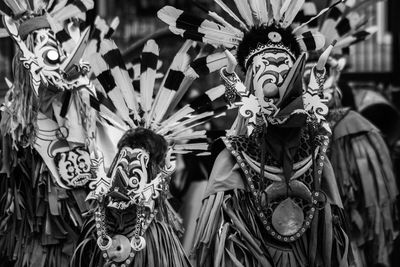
(261, 25)
(343, 22)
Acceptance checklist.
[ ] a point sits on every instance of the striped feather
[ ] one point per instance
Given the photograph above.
(134, 70)
(197, 29)
(112, 56)
(61, 34)
(356, 37)
(76, 55)
(209, 64)
(311, 41)
(343, 27)
(148, 70)
(198, 68)
(60, 4)
(231, 13)
(218, 19)
(337, 11)
(5, 9)
(172, 82)
(104, 76)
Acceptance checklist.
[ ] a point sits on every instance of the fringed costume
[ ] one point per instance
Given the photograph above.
(272, 198)
(42, 202)
(68, 191)
(132, 222)
(359, 155)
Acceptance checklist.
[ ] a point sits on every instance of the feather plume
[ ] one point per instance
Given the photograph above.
(148, 70)
(76, 9)
(245, 11)
(218, 19)
(322, 12)
(183, 123)
(196, 28)
(200, 67)
(311, 41)
(60, 4)
(284, 6)
(5, 10)
(187, 148)
(41, 4)
(17, 6)
(172, 82)
(356, 37)
(276, 6)
(104, 76)
(116, 64)
(231, 14)
(335, 30)
(209, 64)
(291, 12)
(134, 70)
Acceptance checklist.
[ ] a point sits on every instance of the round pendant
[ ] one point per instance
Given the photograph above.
(287, 218)
(138, 243)
(120, 248)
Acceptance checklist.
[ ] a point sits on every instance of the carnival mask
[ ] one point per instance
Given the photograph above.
(74, 166)
(130, 180)
(270, 69)
(48, 63)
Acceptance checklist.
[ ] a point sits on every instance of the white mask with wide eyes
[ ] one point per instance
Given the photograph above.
(269, 72)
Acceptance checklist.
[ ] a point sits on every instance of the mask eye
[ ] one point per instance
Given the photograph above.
(51, 57)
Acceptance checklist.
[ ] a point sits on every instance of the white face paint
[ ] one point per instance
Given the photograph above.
(50, 56)
(269, 72)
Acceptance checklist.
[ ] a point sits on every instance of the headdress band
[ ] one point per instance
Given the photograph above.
(31, 25)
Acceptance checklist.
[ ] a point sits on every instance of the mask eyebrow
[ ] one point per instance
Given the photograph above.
(277, 61)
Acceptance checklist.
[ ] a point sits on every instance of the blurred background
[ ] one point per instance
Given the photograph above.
(371, 83)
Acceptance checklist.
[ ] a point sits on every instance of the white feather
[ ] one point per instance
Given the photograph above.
(245, 11)
(165, 95)
(276, 9)
(147, 80)
(122, 79)
(349, 40)
(231, 13)
(291, 12)
(98, 66)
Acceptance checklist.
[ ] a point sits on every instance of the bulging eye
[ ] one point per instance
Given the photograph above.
(51, 57)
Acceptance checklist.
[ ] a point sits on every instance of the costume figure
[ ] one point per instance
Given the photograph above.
(359, 155)
(70, 101)
(45, 124)
(272, 199)
(132, 222)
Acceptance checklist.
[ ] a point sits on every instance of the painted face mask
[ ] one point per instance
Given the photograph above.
(49, 64)
(74, 166)
(130, 180)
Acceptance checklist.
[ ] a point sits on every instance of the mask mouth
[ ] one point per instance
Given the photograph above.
(80, 180)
